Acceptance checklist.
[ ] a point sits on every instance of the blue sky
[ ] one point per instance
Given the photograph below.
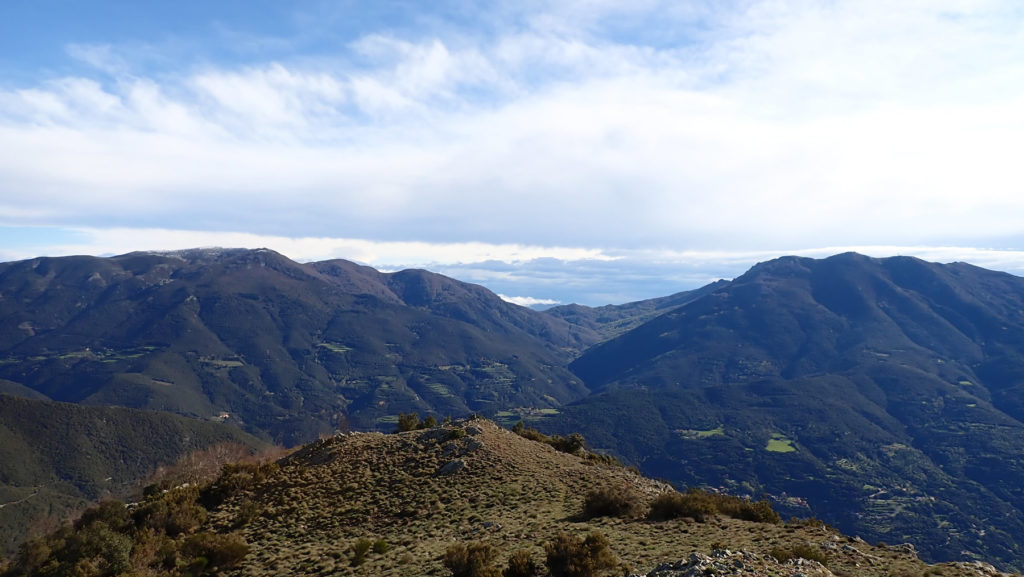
(588, 150)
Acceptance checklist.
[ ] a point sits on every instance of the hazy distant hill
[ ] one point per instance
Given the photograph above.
(886, 394)
(612, 320)
(402, 504)
(290, 349)
(56, 458)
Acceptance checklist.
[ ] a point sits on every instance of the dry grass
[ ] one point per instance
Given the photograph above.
(513, 494)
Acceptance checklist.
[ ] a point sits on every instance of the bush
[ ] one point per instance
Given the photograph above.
(674, 505)
(220, 551)
(758, 512)
(359, 550)
(174, 513)
(474, 560)
(570, 556)
(521, 564)
(113, 513)
(801, 551)
(700, 505)
(412, 422)
(572, 444)
(408, 422)
(233, 480)
(380, 546)
(617, 501)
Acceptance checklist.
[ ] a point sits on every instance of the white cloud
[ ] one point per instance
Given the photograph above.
(112, 241)
(528, 301)
(590, 124)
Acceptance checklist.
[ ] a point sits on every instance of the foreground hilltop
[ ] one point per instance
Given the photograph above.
(409, 503)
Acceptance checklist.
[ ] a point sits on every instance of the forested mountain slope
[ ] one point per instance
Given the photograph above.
(884, 395)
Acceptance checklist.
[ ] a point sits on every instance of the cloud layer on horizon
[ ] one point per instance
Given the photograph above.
(524, 274)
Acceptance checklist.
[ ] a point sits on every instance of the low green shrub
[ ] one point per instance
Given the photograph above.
(359, 550)
(218, 550)
(411, 422)
(571, 556)
(571, 444)
(175, 512)
(673, 505)
(615, 501)
(700, 505)
(521, 564)
(799, 551)
(233, 480)
(473, 560)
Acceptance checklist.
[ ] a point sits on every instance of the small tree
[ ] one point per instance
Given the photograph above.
(408, 422)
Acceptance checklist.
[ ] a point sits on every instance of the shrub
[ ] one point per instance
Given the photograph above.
(233, 480)
(474, 560)
(408, 422)
(673, 505)
(617, 501)
(359, 550)
(380, 546)
(175, 512)
(570, 556)
(572, 444)
(412, 422)
(700, 505)
(214, 550)
(521, 564)
(758, 512)
(604, 459)
(113, 513)
(801, 551)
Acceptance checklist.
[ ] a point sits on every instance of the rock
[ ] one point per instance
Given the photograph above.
(451, 467)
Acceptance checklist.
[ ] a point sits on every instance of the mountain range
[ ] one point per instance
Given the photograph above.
(283, 349)
(881, 395)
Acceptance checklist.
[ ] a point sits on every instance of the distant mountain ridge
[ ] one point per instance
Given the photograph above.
(610, 321)
(288, 349)
(883, 393)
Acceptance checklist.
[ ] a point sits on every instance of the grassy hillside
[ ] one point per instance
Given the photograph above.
(374, 504)
(55, 458)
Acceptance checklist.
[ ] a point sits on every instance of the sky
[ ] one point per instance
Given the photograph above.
(588, 151)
